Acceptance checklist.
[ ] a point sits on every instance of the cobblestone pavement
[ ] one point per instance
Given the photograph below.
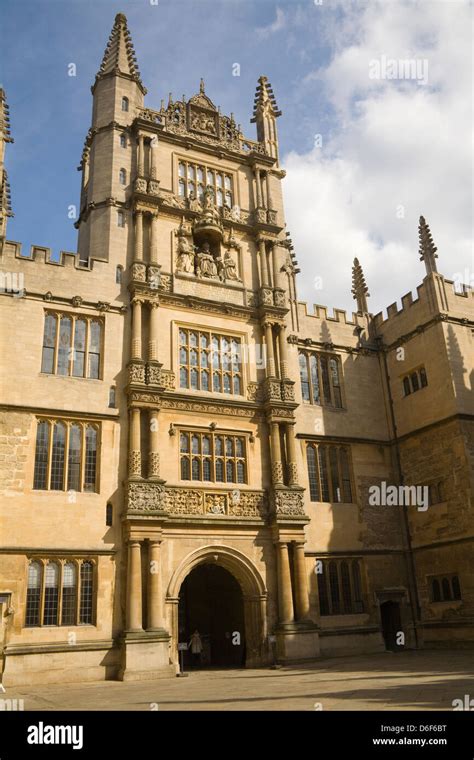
(422, 680)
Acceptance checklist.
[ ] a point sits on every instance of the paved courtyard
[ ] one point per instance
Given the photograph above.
(426, 680)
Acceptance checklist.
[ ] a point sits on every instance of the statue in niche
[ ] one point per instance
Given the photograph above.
(206, 264)
(185, 260)
(229, 268)
(194, 203)
(211, 214)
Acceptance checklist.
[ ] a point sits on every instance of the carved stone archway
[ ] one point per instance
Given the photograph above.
(253, 592)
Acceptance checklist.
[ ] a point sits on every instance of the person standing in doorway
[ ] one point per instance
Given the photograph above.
(196, 647)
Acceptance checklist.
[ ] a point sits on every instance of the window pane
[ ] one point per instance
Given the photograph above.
(195, 444)
(304, 377)
(219, 471)
(334, 587)
(357, 587)
(65, 334)
(227, 386)
(216, 383)
(185, 468)
(336, 490)
(456, 587)
(218, 445)
(323, 592)
(33, 594)
(313, 474)
(51, 580)
(184, 442)
(205, 381)
(181, 170)
(74, 458)
(183, 377)
(183, 338)
(346, 588)
(229, 469)
(206, 469)
(423, 378)
(313, 365)
(49, 343)
(91, 459)
(446, 588)
(334, 367)
(239, 447)
(229, 447)
(325, 379)
(414, 382)
(85, 606)
(79, 348)
(194, 379)
(68, 614)
(237, 385)
(240, 472)
(435, 591)
(323, 473)
(346, 476)
(196, 469)
(206, 445)
(94, 349)
(41, 455)
(57, 459)
(406, 386)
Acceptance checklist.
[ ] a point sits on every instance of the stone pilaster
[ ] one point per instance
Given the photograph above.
(285, 595)
(301, 583)
(134, 587)
(153, 332)
(138, 250)
(277, 467)
(155, 611)
(134, 452)
(291, 455)
(282, 345)
(136, 352)
(269, 349)
(153, 455)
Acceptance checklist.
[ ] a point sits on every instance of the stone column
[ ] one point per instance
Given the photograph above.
(154, 455)
(141, 155)
(277, 468)
(291, 455)
(138, 252)
(153, 142)
(136, 329)
(154, 239)
(153, 335)
(134, 451)
(263, 264)
(282, 345)
(301, 583)
(269, 348)
(285, 596)
(276, 273)
(134, 587)
(258, 188)
(155, 612)
(269, 194)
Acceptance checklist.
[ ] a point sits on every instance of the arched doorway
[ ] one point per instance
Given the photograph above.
(211, 602)
(391, 624)
(249, 596)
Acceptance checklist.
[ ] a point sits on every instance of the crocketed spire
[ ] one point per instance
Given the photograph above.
(360, 290)
(427, 248)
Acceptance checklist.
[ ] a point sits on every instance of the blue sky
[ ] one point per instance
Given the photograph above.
(316, 56)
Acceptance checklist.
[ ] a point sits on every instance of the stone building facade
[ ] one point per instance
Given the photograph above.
(185, 446)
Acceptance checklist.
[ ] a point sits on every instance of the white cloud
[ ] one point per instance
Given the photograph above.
(275, 26)
(397, 144)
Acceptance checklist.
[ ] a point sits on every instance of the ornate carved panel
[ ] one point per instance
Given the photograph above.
(288, 503)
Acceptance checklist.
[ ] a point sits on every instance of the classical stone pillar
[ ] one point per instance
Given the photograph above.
(141, 155)
(153, 333)
(277, 468)
(276, 272)
(153, 143)
(258, 188)
(269, 349)
(134, 587)
(153, 454)
(301, 583)
(282, 345)
(134, 451)
(263, 264)
(155, 611)
(138, 252)
(154, 238)
(285, 595)
(291, 455)
(136, 352)
(269, 194)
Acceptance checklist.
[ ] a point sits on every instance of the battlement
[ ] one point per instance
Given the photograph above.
(321, 312)
(43, 255)
(446, 295)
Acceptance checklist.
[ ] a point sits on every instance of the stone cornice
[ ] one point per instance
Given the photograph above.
(75, 302)
(62, 413)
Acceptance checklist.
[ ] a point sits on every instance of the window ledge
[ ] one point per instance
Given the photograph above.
(71, 377)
